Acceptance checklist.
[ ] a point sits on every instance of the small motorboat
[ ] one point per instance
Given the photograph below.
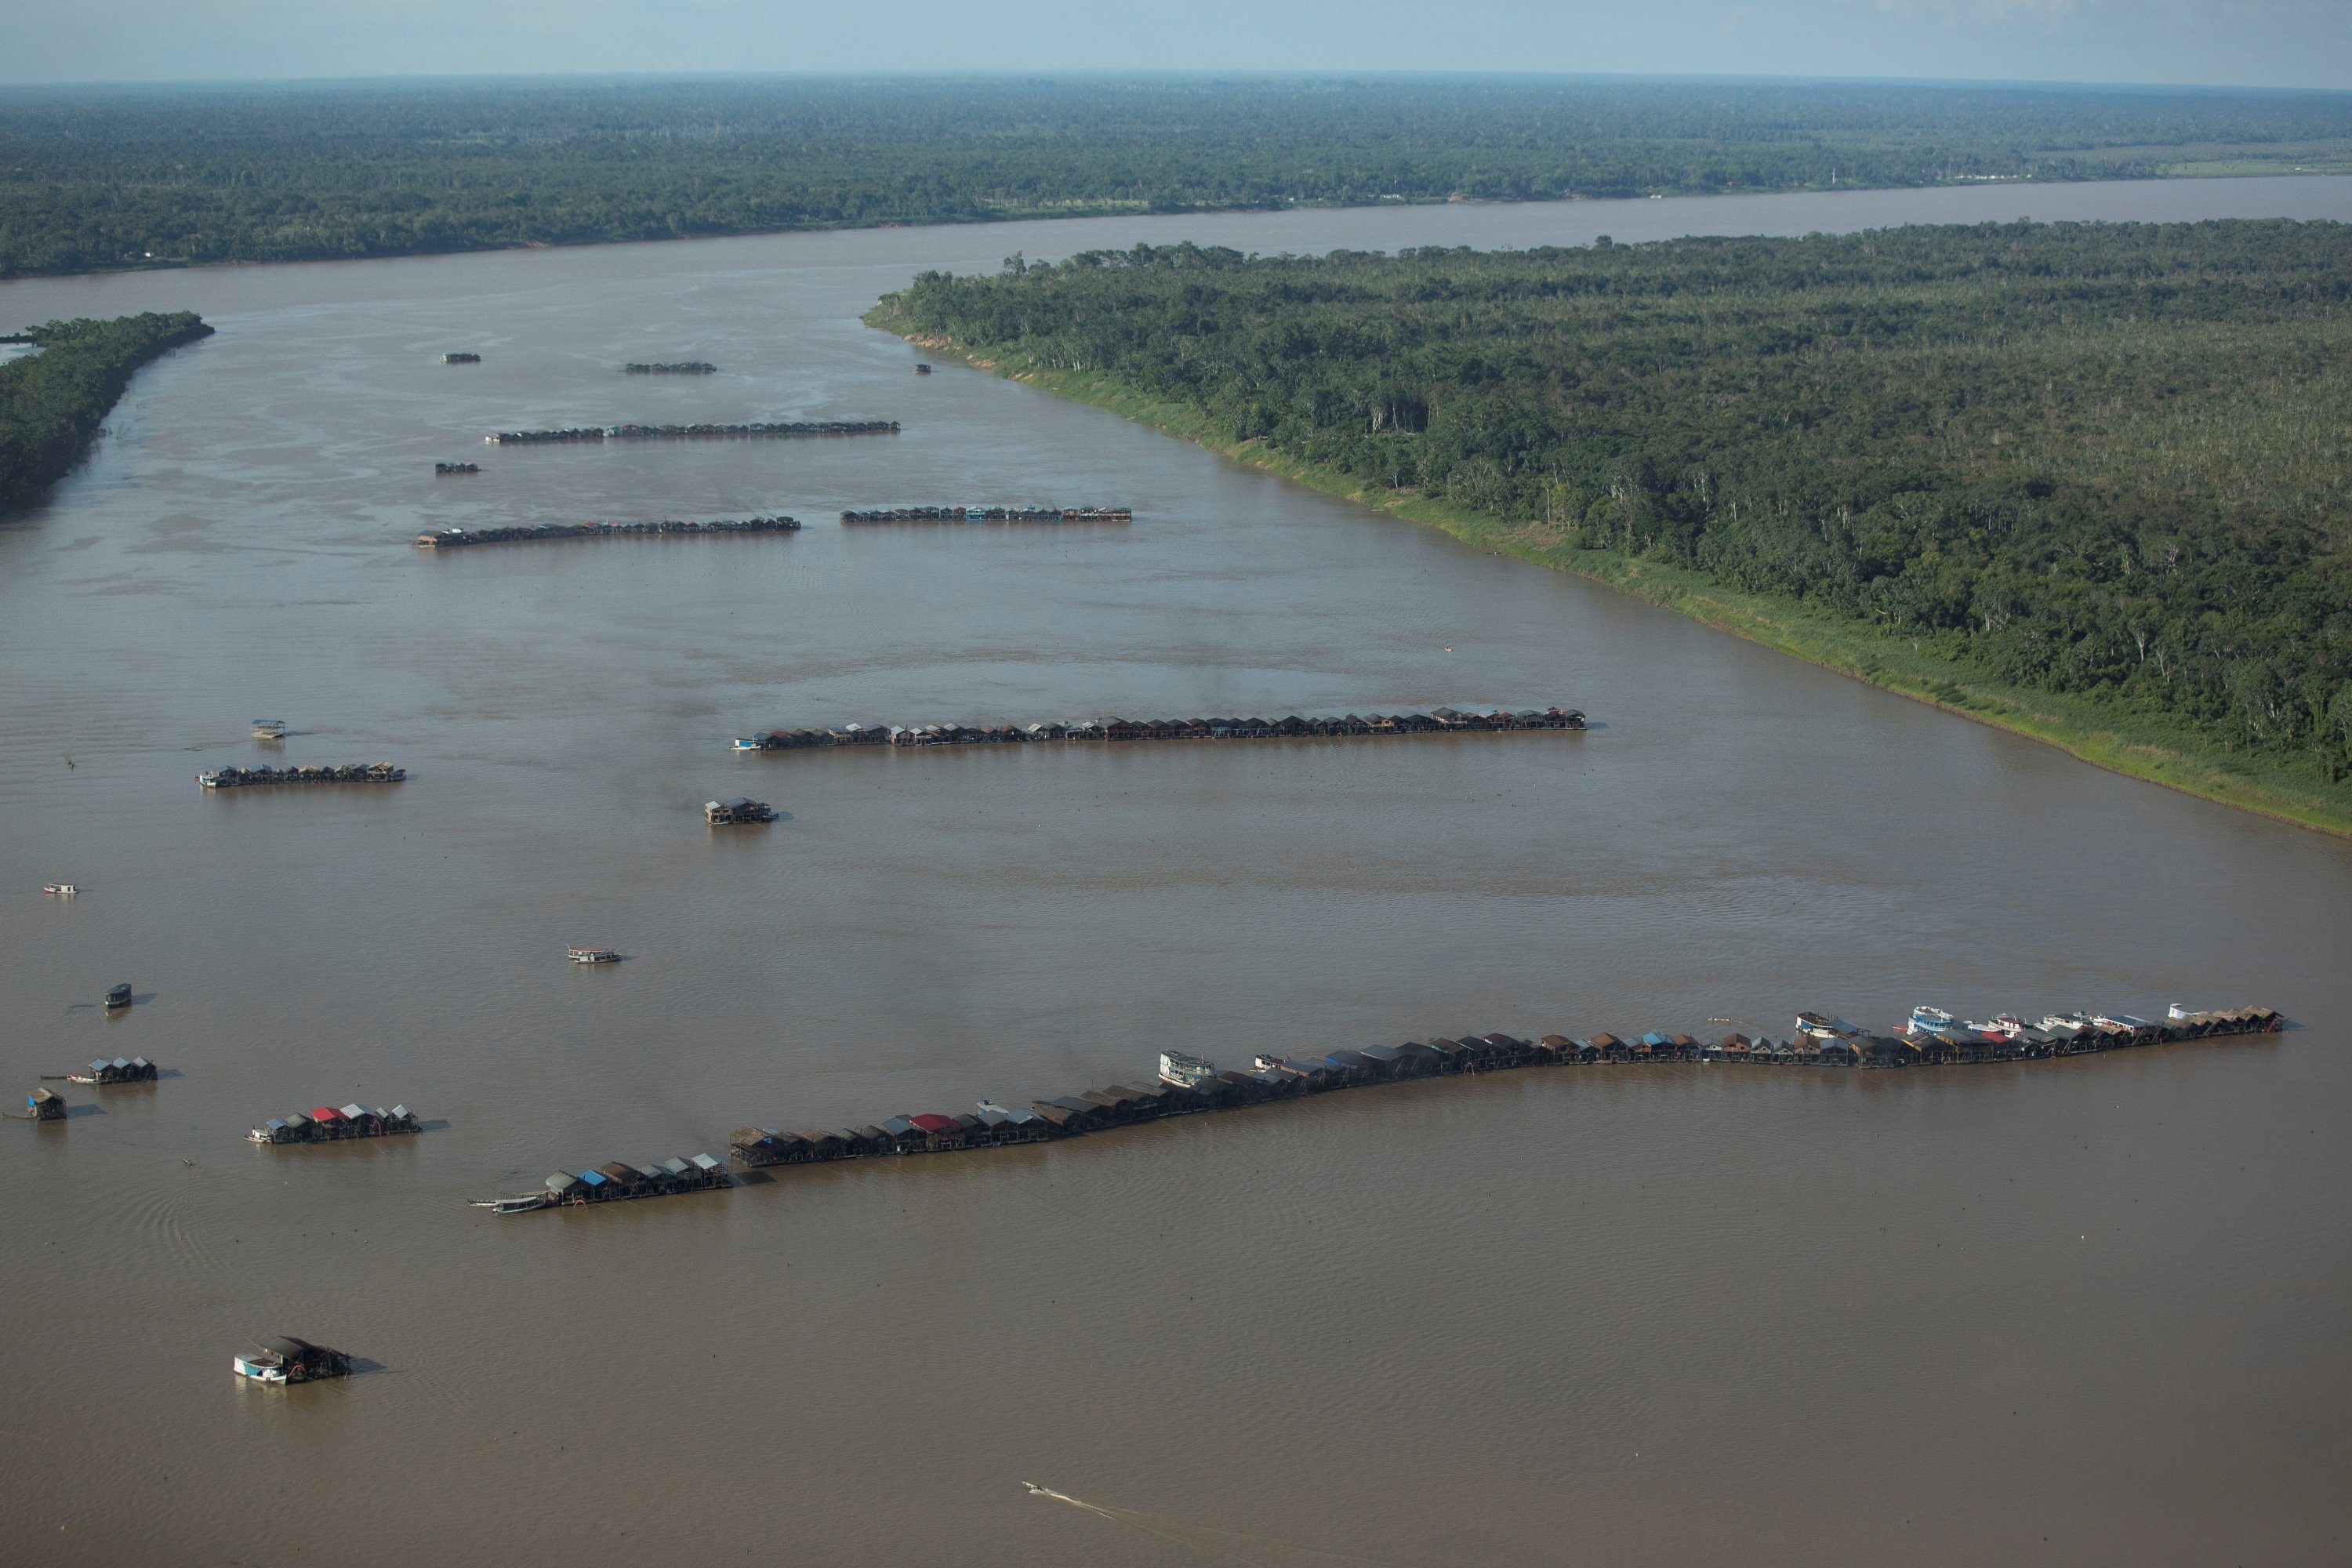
(523, 1205)
(269, 729)
(591, 955)
(747, 743)
(118, 996)
(59, 889)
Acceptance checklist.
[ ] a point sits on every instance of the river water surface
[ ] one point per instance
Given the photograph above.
(2067, 1312)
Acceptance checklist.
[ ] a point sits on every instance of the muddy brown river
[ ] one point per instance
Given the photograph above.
(2068, 1312)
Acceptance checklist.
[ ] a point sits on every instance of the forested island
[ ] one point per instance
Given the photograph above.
(92, 179)
(2092, 482)
(51, 401)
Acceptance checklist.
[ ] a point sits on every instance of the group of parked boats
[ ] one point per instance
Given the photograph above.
(679, 367)
(1437, 720)
(993, 514)
(351, 772)
(1186, 1084)
(454, 538)
(616, 1181)
(690, 432)
(333, 1124)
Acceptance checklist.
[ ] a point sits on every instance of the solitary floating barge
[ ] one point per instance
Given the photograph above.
(591, 955)
(616, 1182)
(327, 1124)
(461, 359)
(1437, 720)
(446, 469)
(1186, 1084)
(737, 812)
(285, 1359)
(454, 538)
(353, 773)
(689, 432)
(993, 514)
(42, 1105)
(104, 1074)
(683, 367)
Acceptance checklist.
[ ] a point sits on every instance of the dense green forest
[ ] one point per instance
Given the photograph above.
(92, 179)
(2108, 462)
(51, 401)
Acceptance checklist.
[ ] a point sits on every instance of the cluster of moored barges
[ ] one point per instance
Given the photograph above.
(352, 772)
(690, 432)
(615, 1182)
(1437, 720)
(993, 514)
(1186, 1083)
(332, 1124)
(682, 367)
(453, 537)
(442, 470)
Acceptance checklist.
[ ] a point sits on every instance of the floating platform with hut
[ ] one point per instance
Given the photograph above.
(575, 433)
(678, 367)
(992, 514)
(45, 1105)
(104, 1074)
(739, 811)
(353, 773)
(284, 1359)
(456, 538)
(1437, 721)
(335, 1124)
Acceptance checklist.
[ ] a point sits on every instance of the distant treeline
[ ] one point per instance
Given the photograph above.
(128, 177)
(51, 401)
(2108, 461)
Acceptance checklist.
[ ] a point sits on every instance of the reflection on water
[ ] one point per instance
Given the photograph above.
(1672, 1315)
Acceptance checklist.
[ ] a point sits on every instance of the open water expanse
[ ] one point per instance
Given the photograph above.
(2085, 1311)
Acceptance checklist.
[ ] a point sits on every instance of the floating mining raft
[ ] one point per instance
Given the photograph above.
(284, 1359)
(993, 514)
(45, 1105)
(442, 470)
(1437, 722)
(452, 538)
(461, 359)
(103, 1074)
(737, 812)
(612, 1183)
(326, 1124)
(353, 773)
(689, 432)
(683, 367)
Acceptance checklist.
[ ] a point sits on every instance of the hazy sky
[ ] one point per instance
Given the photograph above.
(2283, 43)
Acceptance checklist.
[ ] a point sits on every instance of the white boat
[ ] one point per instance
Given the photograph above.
(269, 729)
(747, 743)
(1825, 1029)
(523, 1205)
(263, 1368)
(591, 955)
(1926, 1020)
(1183, 1071)
(61, 889)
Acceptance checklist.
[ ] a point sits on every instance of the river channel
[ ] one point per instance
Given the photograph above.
(2051, 1313)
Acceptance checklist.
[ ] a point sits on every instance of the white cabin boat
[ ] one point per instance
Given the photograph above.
(269, 729)
(591, 955)
(61, 889)
(1185, 1072)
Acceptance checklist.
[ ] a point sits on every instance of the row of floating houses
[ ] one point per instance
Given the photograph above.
(690, 432)
(681, 367)
(618, 1180)
(1437, 720)
(455, 538)
(1186, 1084)
(992, 514)
(352, 772)
(333, 1124)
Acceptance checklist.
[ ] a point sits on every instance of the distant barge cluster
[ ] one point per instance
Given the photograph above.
(104, 1074)
(1437, 720)
(689, 432)
(1186, 1084)
(330, 1124)
(352, 772)
(454, 538)
(682, 367)
(615, 1182)
(993, 514)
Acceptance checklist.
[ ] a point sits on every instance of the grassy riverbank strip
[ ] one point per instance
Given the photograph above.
(51, 403)
(2083, 727)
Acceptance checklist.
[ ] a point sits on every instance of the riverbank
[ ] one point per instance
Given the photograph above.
(2084, 729)
(51, 403)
